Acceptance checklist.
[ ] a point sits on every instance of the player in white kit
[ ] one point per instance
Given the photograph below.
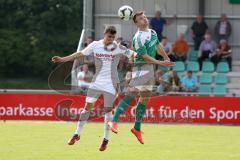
(107, 54)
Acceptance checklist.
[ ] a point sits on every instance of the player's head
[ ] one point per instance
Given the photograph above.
(140, 19)
(109, 34)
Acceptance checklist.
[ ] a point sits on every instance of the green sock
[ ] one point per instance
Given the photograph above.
(123, 104)
(140, 111)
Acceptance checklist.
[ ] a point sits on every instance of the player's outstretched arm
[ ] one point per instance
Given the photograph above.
(165, 63)
(57, 59)
(86, 51)
(161, 51)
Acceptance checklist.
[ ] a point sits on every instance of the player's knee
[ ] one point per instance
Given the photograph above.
(128, 99)
(145, 94)
(84, 115)
(88, 106)
(144, 100)
(108, 109)
(132, 91)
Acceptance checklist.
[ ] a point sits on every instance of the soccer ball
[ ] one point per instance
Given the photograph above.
(125, 12)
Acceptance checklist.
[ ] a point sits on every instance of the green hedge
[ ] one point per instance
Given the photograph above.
(234, 1)
(32, 31)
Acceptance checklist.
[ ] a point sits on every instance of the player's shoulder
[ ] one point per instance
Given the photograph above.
(119, 48)
(99, 42)
(143, 36)
(96, 44)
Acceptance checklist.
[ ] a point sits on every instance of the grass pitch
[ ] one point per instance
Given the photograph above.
(47, 141)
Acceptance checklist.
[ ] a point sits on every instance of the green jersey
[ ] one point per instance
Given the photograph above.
(144, 42)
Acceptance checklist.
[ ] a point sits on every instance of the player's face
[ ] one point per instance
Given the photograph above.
(142, 21)
(109, 38)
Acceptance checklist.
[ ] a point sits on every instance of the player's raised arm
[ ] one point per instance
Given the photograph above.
(84, 52)
(161, 52)
(149, 59)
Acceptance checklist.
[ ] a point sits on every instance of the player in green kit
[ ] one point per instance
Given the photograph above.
(146, 44)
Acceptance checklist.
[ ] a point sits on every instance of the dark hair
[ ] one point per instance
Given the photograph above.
(110, 29)
(136, 15)
(189, 71)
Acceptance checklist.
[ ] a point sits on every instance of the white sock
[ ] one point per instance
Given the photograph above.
(81, 122)
(107, 118)
(80, 125)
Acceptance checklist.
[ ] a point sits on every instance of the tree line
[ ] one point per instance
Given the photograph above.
(32, 31)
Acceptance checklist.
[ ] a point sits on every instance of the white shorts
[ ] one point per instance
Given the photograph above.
(93, 95)
(143, 77)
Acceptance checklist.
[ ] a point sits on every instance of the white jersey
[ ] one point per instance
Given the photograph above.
(106, 60)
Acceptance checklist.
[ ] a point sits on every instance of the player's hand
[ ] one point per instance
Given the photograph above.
(166, 63)
(167, 59)
(57, 59)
